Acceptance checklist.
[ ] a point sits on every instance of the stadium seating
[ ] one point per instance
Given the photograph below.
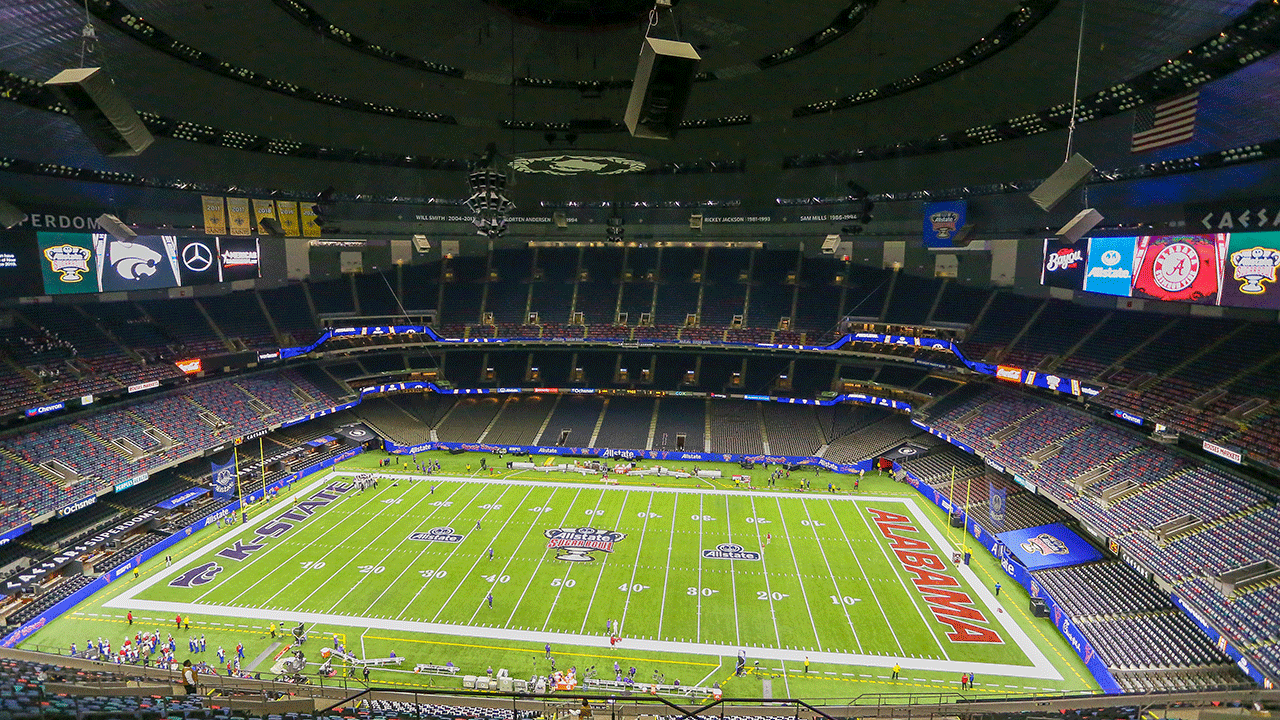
(84, 444)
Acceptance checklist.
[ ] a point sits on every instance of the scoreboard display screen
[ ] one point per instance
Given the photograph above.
(19, 264)
(1226, 269)
(98, 262)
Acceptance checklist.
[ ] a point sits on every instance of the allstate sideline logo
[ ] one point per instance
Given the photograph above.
(438, 534)
(578, 544)
(730, 551)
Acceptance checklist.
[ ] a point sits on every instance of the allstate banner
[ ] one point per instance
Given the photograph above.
(942, 221)
(997, 497)
(1250, 272)
(224, 478)
(1048, 546)
(1110, 266)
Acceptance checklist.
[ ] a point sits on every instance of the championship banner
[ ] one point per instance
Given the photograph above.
(287, 214)
(238, 259)
(1064, 264)
(224, 479)
(262, 209)
(1109, 263)
(997, 497)
(147, 262)
(308, 216)
(1250, 271)
(197, 261)
(215, 214)
(239, 216)
(68, 263)
(942, 222)
(1179, 268)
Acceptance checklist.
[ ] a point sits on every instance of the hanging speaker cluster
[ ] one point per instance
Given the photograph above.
(664, 79)
(106, 118)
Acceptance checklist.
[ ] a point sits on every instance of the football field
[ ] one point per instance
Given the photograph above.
(686, 577)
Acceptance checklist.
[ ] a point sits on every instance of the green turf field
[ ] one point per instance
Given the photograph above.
(689, 573)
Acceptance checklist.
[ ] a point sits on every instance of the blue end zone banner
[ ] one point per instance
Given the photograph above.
(224, 478)
(1048, 546)
(996, 499)
(942, 222)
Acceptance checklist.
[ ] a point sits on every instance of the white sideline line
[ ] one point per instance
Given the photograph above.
(596, 641)
(1041, 668)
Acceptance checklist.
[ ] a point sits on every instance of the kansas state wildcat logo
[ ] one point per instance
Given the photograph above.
(197, 576)
(577, 544)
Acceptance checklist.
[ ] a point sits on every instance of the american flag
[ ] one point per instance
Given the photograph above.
(1163, 124)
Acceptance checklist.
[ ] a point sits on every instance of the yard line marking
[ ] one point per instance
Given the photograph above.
(905, 588)
(701, 543)
(354, 557)
(865, 578)
(803, 593)
(481, 555)
(733, 581)
(666, 578)
(425, 546)
(834, 584)
(635, 566)
(569, 569)
(244, 565)
(456, 548)
(773, 612)
(563, 521)
(600, 575)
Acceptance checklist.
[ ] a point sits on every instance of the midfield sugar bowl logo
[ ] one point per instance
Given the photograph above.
(578, 544)
(69, 260)
(439, 534)
(1046, 545)
(730, 551)
(1254, 266)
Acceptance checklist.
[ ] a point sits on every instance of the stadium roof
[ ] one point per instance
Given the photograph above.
(790, 91)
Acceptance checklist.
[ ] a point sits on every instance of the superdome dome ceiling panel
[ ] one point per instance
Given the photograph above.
(897, 38)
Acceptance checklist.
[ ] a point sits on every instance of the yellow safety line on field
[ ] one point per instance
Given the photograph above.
(1035, 626)
(541, 651)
